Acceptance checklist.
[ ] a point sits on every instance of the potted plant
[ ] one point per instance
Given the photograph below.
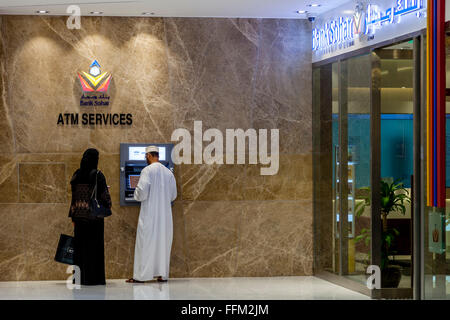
(393, 198)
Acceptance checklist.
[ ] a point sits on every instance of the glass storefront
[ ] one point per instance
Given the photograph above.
(363, 122)
(370, 143)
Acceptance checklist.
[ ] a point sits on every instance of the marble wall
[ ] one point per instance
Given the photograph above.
(229, 73)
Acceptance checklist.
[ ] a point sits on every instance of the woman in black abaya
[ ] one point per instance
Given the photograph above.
(89, 253)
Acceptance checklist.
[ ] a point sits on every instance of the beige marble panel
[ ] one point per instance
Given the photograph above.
(120, 235)
(292, 182)
(7, 142)
(70, 160)
(212, 230)
(211, 66)
(40, 85)
(283, 92)
(276, 239)
(42, 225)
(245, 182)
(8, 179)
(42, 183)
(213, 182)
(6, 127)
(12, 248)
(179, 266)
(108, 164)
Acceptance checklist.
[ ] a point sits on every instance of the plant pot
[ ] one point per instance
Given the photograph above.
(391, 276)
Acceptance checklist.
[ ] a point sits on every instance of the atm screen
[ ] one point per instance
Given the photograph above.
(138, 153)
(133, 180)
(132, 162)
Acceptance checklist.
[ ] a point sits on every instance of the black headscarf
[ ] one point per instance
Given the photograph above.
(88, 163)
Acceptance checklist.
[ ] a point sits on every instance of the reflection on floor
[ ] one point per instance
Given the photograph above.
(279, 288)
(405, 281)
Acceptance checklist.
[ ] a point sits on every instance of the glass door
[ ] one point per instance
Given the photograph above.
(356, 150)
(396, 86)
(341, 113)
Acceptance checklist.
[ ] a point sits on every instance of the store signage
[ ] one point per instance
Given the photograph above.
(95, 85)
(91, 119)
(341, 32)
(376, 18)
(336, 32)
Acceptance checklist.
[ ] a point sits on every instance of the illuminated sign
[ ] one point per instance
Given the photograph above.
(338, 31)
(341, 32)
(376, 18)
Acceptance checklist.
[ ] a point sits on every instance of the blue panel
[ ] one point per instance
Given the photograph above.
(397, 148)
(359, 147)
(403, 116)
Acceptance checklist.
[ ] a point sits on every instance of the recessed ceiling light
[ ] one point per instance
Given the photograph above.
(148, 13)
(96, 12)
(42, 11)
(301, 11)
(314, 5)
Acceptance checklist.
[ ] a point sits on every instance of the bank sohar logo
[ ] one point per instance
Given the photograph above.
(95, 80)
(358, 19)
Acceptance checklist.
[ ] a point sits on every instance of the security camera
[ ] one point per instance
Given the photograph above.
(311, 18)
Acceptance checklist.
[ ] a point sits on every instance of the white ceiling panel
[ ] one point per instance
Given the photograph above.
(175, 8)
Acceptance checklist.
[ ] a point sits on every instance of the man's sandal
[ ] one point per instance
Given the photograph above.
(131, 280)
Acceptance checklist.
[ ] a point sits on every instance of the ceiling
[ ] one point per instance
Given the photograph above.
(174, 8)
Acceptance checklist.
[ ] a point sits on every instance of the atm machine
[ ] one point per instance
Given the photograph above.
(132, 161)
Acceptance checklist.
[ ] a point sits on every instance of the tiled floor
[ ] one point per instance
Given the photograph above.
(280, 288)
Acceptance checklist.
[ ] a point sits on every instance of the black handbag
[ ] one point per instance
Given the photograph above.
(65, 251)
(98, 211)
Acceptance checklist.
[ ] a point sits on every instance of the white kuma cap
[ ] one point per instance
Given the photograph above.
(151, 149)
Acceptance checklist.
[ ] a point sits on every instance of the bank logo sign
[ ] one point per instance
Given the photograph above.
(94, 84)
(95, 80)
(340, 33)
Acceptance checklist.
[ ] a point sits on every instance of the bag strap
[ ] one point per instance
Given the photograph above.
(94, 192)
